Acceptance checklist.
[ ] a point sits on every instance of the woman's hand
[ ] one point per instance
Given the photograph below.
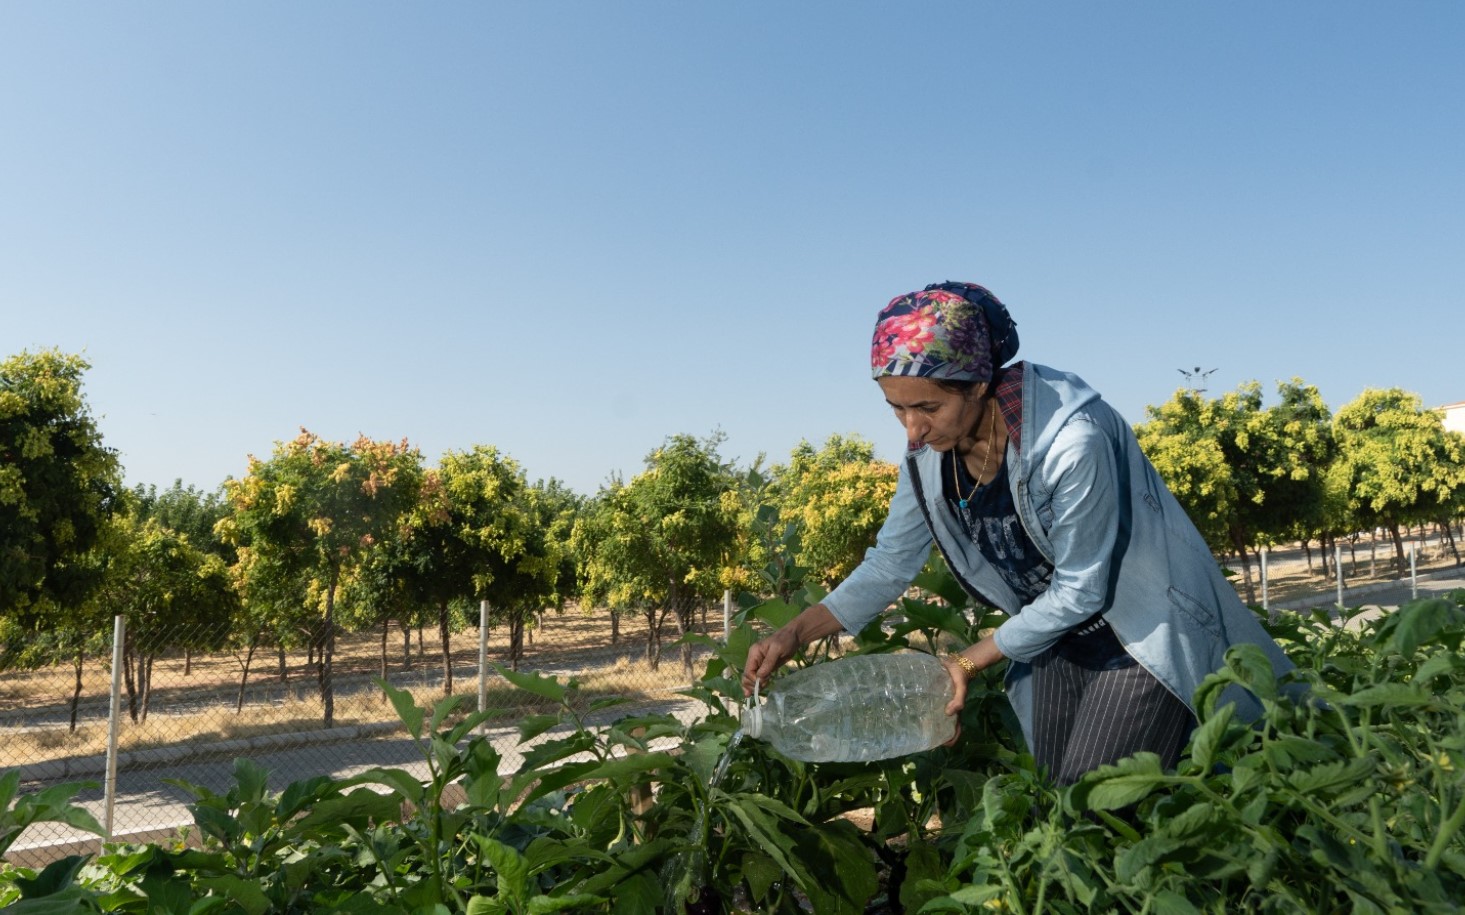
(963, 667)
(767, 655)
(959, 680)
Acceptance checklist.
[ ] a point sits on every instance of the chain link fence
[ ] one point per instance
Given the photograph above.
(181, 715)
(186, 716)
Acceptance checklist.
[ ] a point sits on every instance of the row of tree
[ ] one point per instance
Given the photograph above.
(329, 537)
(1251, 476)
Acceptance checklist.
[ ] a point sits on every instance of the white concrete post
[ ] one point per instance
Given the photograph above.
(1266, 602)
(109, 790)
(482, 660)
(726, 615)
(1338, 570)
(1413, 575)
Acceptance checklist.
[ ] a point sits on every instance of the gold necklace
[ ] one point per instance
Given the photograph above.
(956, 456)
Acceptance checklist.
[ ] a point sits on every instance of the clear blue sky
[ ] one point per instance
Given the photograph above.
(572, 229)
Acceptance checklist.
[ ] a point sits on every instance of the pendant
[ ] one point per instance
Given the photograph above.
(961, 504)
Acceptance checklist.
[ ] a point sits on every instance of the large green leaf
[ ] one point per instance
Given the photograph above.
(402, 783)
(630, 765)
(510, 869)
(1420, 622)
(924, 868)
(774, 612)
(252, 779)
(545, 905)
(534, 725)
(1332, 777)
(1207, 738)
(1445, 662)
(1250, 667)
(761, 817)
(246, 894)
(534, 682)
(303, 793)
(406, 707)
(1391, 695)
(360, 806)
(1121, 785)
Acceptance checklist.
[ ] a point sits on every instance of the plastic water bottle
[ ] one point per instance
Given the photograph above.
(857, 709)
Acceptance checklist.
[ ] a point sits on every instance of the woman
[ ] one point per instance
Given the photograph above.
(1036, 492)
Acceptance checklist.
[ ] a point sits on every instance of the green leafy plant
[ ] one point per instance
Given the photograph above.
(1349, 798)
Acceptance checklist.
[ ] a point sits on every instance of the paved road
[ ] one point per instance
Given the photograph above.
(1382, 596)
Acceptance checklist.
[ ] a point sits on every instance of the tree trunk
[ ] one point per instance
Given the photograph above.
(421, 650)
(1238, 540)
(615, 628)
(653, 640)
(516, 639)
(386, 631)
(128, 678)
(446, 637)
(145, 679)
(76, 691)
(244, 678)
(1402, 564)
(284, 668)
(1307, 551)
(686, 620)
(406, 645)
(1448, 536)
(188, 662)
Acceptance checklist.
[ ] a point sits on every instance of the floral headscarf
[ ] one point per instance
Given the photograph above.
(933, 334)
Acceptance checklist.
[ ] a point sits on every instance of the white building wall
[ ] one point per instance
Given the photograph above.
(1455, 416)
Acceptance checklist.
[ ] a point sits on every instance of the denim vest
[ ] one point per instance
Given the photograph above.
(1120, 543)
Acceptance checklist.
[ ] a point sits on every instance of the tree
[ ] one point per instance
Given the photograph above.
(189, 511)
(172, 594)
(1397, 462)
(1180, 439)
(658, 543)
(1244, 473)
(477, 534)
(58, 485)
(312, 512)
(839, 496)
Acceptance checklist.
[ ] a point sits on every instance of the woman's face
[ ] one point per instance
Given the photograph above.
(932, 414)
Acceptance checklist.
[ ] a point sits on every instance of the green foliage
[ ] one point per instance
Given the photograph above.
(308, 517)
(1397, 463)
(1348, 797)
(1243, 473)
(58, 485)
(664, 541)
(838, 496)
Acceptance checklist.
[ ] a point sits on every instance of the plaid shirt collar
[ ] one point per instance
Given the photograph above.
(1009, 400)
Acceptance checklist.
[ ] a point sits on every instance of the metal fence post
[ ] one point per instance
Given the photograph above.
(109, 789)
